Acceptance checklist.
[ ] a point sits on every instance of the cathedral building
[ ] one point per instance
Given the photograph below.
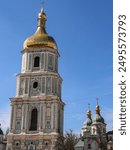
(94, 135)
(37, 110)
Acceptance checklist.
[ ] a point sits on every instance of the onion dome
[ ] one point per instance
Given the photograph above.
(98, 117)
(88, 122)
(40, 37)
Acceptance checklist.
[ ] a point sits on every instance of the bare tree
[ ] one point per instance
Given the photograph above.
(70, 140)
(67, 142)
(60, 144)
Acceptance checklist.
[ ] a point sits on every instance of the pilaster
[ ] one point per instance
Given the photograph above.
(14, 117)
(23, 118)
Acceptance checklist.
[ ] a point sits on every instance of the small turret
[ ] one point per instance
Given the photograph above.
(88, 122)
(98, 117)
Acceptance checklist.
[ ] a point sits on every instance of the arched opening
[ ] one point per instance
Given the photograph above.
(89, 146)
(35, 85)
(94, 131)
(31, 147)
(34, 116)
(36, 61)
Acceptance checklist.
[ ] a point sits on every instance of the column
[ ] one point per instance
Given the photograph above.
(22, 126)
(26, 115)
(11, 121)
(41, 116)
(39, 122)
(52, 116)
(17, 85)
(14, 117)
(44, 113)
(56, 117)
(62, 120)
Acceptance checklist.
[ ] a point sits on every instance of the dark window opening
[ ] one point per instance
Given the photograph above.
(35, 85)
(110, 138)
(36, 61)
(94, 130)
(89, 146)
(31, 148)
(17, 144)
(34, 116)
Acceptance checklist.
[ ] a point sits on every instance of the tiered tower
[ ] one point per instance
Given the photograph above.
(86, 129)
(37, 109)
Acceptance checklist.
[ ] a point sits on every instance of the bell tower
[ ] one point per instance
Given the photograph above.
(37, 109)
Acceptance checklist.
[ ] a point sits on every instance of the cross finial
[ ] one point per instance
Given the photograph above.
(97, 100)
(88, 106)
(42, 3)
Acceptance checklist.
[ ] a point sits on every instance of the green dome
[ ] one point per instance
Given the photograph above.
(98, 118)
(88, 122)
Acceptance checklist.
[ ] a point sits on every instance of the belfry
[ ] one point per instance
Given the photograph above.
(37, 110)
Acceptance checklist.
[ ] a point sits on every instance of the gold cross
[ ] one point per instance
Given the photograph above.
(42, 2)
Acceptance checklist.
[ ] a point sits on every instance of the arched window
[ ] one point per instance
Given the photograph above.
(36, 61)
(31, 147)
(35, 85)
(89, 146)
(34, 116)
(94, 131)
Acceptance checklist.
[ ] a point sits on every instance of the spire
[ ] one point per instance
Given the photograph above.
(42, 20)
(89, 119)
(42, 3)
(97, 107)
(41, 27)
(98, 117)
(97, 100)
(89, 111)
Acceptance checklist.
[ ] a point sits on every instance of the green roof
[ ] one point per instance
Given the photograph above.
(80, 144)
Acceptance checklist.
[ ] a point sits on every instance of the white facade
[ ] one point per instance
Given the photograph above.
(94, 136)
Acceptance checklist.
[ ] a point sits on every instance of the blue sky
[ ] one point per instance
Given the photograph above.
(83, 32)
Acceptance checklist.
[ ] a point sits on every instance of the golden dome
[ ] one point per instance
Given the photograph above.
(89, 111)
(89, 120)
(40, 38)
(97, 109)
(98, 117)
